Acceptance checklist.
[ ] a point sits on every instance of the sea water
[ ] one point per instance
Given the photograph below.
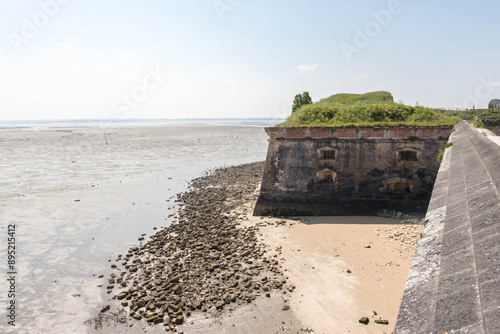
(79, 194)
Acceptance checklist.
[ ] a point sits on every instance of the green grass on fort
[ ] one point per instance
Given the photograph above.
(376, 109)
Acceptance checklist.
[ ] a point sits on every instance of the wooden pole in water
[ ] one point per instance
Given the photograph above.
(105, 137)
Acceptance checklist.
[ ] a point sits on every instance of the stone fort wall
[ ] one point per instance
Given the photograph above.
(337, 171)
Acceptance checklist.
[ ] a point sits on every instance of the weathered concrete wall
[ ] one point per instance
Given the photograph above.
(454, 283)
(335, 171)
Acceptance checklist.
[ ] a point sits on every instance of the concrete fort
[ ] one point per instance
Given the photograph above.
(340, 171)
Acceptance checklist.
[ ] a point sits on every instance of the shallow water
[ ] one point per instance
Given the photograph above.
(78, 203)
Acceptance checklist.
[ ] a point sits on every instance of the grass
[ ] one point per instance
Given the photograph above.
(376, 109)
(476, 123)
(350, 99)
(441, 154)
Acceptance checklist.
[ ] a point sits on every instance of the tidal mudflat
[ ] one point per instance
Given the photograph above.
(78, 202)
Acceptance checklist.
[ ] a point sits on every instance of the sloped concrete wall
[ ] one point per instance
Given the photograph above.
(454, 283)
(337, 171)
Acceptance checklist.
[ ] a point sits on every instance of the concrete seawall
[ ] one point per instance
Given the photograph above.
(454, 283)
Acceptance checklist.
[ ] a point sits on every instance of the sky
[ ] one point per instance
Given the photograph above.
(94, 59)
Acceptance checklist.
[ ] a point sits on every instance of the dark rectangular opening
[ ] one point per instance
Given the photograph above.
(329, 154)
(408, 155)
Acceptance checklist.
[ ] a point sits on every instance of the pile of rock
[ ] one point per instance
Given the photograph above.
(405, 234)
(204, 261)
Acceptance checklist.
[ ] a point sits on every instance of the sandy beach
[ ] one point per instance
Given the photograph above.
(338, 278)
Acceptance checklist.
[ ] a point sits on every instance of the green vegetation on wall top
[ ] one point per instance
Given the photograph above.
(366, 110)
(477, 117)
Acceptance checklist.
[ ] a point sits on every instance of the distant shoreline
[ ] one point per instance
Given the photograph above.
(109, 124)
(134, 120)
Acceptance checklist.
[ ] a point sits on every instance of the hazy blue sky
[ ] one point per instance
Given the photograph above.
(240, 58)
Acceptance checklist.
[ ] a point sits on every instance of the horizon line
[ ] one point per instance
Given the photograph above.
(137, 119)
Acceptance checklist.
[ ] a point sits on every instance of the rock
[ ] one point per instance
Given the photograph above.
(364, 320)
(152, 318)
(174, 308)
(179, 320)
(383, 322)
